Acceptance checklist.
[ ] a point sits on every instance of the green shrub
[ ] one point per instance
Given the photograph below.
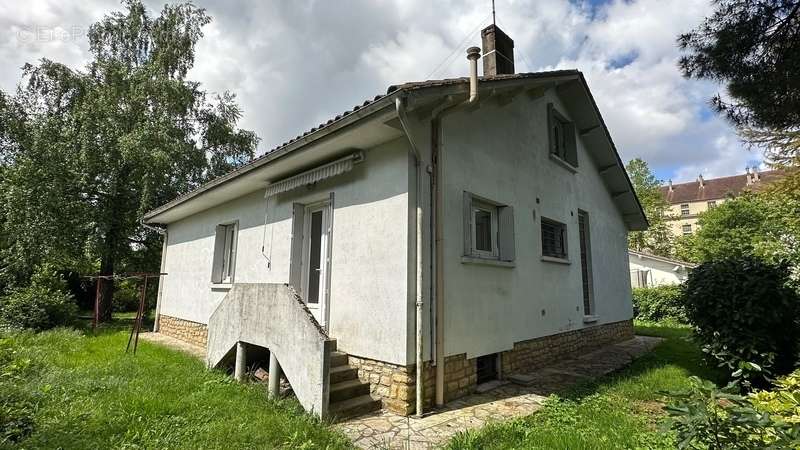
(17, 405)
(126, 296)
(717, 419)
(43, 304)
(659, 304)
(745, 316)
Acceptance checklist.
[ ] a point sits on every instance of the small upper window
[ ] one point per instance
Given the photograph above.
(224, 253)
(554, 239)
(561, 135)
(687, 229)
(712, 204)
(488, 229)
(685, 209)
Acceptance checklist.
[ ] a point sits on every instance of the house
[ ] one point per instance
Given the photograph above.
(649, 270)
(688, 200)
(441, 235)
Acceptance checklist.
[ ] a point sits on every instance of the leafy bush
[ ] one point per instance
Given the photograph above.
(41, 305)
(126, 296)
(745, 316)
(659, 304)
(783, 402)
(717, 419)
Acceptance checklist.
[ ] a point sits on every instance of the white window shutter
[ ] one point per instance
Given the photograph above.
(505, 235)
(296, 256)
(219, 250)
(467, 223)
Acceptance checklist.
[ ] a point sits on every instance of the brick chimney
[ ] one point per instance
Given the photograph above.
(701, 180)
(498, 52)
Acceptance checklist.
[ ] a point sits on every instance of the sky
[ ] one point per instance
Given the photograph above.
(295, 64)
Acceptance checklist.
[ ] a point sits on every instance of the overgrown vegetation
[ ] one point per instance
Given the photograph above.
(659, 304)
(620, 410)
(745, 315)
(43, 304)
(657, 239)
(66, 389)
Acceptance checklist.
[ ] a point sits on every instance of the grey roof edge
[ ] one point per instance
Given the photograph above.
(662, 258)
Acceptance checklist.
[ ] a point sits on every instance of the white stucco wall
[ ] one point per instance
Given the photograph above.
(369, 257)
(660, 272)
(501, 153)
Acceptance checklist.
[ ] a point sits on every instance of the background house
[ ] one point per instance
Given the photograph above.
(650, 270)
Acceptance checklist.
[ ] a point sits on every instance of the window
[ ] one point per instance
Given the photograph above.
(561, 133)
(224, 253)
(685, 209)
(712, 204)
(554, 239)
(640, 278)
(687, 229)
(488, 229)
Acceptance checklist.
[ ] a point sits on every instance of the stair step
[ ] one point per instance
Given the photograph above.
(338, 359)
(348, 389)
(343, 373)
(354, 407)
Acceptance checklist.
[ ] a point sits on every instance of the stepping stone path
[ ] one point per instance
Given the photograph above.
(523, 396)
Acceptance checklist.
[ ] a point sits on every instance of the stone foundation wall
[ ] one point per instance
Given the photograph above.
(528, 355)
(185, 330)
(396, 385)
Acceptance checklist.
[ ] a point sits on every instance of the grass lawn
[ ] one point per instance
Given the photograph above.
(70, 389)
(621, 410)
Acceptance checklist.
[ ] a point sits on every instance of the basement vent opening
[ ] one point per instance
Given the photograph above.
(487, 368)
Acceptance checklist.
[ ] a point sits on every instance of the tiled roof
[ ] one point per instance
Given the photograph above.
(715, 188)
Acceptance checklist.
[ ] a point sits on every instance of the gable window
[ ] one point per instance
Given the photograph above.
(554, 239)
(687, 229)
(224, 253)
(712, 204)
(488, 229)
(561, 134)
(684, 209)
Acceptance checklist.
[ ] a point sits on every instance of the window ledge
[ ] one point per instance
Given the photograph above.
(563, 163)
(553, 259)
(590, 319)
(220, 286)
(486, 261)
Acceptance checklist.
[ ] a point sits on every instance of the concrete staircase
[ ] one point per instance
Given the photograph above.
(349, 396)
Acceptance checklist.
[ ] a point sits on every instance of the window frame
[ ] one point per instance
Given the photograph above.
(684, 230)
(711, 204)
(685, 211)
(223, 269)
(568, 155)
(479, 205)
(564, 238)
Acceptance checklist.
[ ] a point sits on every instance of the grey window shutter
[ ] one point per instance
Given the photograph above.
(467, 223)
(571, 144)
(296, 256)
(219, 249)
(505, 238)
(551, 138)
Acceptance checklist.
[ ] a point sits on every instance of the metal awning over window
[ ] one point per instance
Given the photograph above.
(314, 175)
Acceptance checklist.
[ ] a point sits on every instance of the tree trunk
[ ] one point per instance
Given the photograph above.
(106, 285)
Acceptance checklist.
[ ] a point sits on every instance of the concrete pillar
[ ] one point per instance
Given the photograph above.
(274, 376)
(241, 361)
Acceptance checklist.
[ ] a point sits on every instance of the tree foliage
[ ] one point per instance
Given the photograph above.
(657, 239)
(86, 152)
(753, 46)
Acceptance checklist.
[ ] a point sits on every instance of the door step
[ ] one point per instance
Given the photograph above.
(348, 396)
(354, 407)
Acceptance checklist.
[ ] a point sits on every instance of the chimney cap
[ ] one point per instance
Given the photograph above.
(473, 53)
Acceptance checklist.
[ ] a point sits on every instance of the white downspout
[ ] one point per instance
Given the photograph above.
(473, 54)
(401, 114)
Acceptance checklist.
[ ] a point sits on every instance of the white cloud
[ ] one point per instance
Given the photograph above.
(296, 64)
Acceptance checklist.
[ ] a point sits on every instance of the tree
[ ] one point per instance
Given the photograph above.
(782, 152)
(754, 48)
(763, 225)
(657, 239)
(86, 153)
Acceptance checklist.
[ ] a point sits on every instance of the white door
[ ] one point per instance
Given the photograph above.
(316, 259)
